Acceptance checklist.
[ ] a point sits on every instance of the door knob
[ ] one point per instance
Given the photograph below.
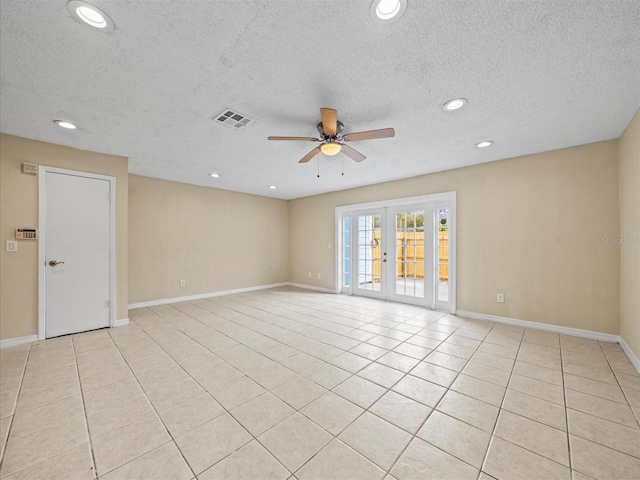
(53, 263)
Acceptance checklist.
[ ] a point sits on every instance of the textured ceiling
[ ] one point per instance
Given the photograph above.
(539, 75)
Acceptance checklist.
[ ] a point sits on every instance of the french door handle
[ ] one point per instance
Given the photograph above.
(53, 263)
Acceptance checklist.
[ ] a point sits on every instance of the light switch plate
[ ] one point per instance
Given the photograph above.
(12, 246)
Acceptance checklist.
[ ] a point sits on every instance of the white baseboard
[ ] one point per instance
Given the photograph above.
(165, 301)
(576, 332)
(311, 287)
(630, 354)
(12, 342)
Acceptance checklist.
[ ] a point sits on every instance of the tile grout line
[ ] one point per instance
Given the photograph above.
(122, 426)
(536, 421)
(500, 409)
(624, 394)
(564, 390)
(155, 410)
(566, 407)
(84, 409)
(15, 408)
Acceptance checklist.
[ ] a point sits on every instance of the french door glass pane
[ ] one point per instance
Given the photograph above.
(410, 253)
(346, 254)
(443, 254)
(369, 266)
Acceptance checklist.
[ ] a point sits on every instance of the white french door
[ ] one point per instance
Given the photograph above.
(403, 251)
(410, 235)
(368, 244)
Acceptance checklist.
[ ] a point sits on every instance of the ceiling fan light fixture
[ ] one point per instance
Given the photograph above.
(330, 148)
(91, 15)
(485, 144)
(387, 10)
(455, 104)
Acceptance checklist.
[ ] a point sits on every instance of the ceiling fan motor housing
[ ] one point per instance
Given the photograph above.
(326, 136)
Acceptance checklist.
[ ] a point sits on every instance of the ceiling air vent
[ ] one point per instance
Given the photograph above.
(232, 119)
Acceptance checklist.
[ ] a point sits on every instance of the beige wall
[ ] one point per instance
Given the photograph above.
(529, 227)
(213, 239)
(629, 149)
(19, 208)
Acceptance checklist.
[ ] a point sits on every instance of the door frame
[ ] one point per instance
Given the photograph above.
(438, 200)
(42, 235)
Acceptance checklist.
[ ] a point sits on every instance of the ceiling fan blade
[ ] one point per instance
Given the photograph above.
(302, 139)
(369, 134)
(310, 155)
(351, 153)
(329, 120)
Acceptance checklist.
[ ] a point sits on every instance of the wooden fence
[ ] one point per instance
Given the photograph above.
(410, 255)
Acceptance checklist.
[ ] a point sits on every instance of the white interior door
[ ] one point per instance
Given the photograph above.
(77, 249)
(368, 274)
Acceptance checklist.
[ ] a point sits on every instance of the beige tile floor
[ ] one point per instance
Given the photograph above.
(286, 383)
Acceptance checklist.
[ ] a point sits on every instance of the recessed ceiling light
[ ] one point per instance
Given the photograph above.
(63, 124)
(214, 175)
(387, 10)
(273, 187)
(485, 144)
(454, 104)
(91, 15)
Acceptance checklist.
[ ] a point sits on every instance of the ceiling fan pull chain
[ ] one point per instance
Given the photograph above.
(318, 167)
(343, 166)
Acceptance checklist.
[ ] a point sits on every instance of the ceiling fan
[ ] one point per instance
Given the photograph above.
(332, 138)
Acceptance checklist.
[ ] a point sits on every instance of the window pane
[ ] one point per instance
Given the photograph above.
(346, 251)
(443, 254)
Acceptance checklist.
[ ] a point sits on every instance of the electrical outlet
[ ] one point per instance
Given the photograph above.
(182, 283)
(500, 298)
(319, 276)
(309, 274)
(329, 246)
(12, 246)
